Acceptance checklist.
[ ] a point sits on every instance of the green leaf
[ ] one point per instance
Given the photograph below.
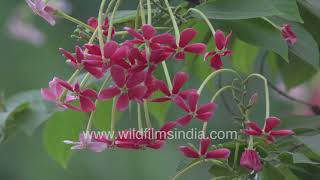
(301, 158)
(287, 172)
(312, 5)
(257, 32)
(243, 56)
(236, 9)
(288, 8)
(37, 113)
(62, 126)
(270, 172)
(311, 142)
(296, 72)
(159, 110)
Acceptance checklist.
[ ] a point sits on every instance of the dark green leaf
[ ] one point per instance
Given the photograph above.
(288, 8)
(257, 32)
(243, 56)
(296, 72)
(62, 126)
(102, 117)
(235, 9)
(311, 142)
(270, 172)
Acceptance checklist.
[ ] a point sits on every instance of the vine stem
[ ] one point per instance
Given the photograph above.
(116, 6)
(174, 22)
(149, 12)
(142, 13)
(146, 113)
(100, 22)
(266, 91)
(270, 22)
(186, 169)
(166, 73)
(212, 75)
(105, 82)
(113, 116)
(205, 18)
(205, 124)
(139, 117)
(74, 20)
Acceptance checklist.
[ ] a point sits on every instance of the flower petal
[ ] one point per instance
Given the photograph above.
(281, 132)
(184, 120)
(164, 38)
(204, 145)
(148, 31)
(197, 48)
(122, 102)
(209, 107)
(136, 79)
(109, 93)
(181, 103)
(186, 36)
(189, 152)
(86, 104)
(118, 75)
(193, 101)
(110, 48)
(222, 153)
(271, 123)
(220, 39)
(178, 81)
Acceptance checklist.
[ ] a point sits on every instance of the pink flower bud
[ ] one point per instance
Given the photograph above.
(250, 159)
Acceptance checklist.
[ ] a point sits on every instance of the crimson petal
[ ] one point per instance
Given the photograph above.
(118, 75)
(271, 123)
(222, 153)
(186, 36)
(204, 145)
(189, 152)
(109, 93)
(122, 102)
(178, 81)
(184, 120)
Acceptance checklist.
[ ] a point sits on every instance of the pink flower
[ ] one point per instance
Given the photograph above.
(270, 123)
(134, 139)
(54, 92)
(85, 142)
(203, 112)
(93, 22)
(149, 34)
(22, 30)
(184, 45)
(222, 42)
(85, 96)
(40, 8)
(250, 159)
(204, 152)
(288, 34)
(127, 87)
(178, 81)
(79, 61)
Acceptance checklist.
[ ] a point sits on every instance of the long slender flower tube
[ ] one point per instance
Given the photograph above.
(250, 159)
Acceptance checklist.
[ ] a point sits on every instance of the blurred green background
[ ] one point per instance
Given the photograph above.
(24, 66)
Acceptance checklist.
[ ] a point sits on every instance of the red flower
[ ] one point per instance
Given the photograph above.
(184, 45)
(178, 81)
(149, 35)
(85, 96)
(288, 34)
(79, 61)
(270, 123)
(222, 42)
(190, 152)
(250, 159)
(113, 53)
(127, 87)
(139, 60)
(203, 112)
(93, 22)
